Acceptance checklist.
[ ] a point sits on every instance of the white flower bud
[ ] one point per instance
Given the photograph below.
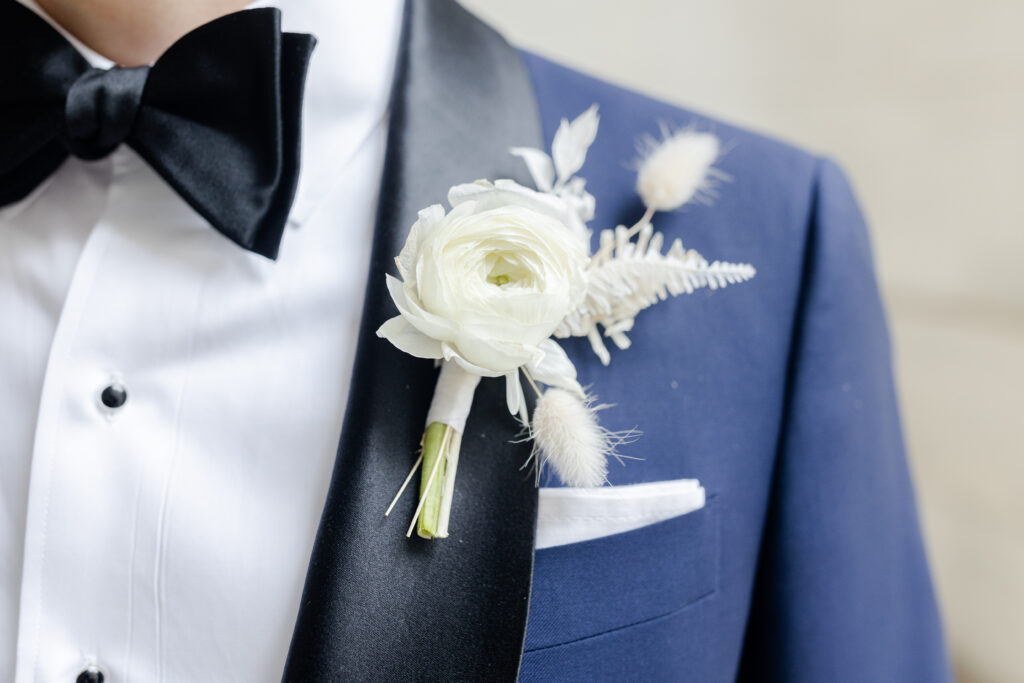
(568, 437)
(674, 170)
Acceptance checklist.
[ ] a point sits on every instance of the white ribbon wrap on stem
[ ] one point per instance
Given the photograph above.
(453, 396)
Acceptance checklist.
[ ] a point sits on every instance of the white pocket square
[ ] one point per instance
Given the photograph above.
(572, 515)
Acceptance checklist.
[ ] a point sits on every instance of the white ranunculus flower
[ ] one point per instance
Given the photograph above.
(571, 205)
(486, 284)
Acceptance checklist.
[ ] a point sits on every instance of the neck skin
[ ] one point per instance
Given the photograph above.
(134, 32)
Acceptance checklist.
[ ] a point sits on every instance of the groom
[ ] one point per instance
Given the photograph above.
(194, 252)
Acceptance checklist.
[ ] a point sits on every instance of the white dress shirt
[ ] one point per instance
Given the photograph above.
(168, 539)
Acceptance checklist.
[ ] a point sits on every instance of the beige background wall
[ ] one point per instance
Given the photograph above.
(923, 104)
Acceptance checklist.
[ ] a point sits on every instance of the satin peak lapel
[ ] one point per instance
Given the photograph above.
(376, 605)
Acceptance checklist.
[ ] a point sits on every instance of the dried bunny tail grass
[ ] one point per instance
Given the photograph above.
(566, 435)
(677, 168)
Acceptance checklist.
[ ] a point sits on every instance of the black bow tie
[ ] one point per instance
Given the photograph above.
(218, 116)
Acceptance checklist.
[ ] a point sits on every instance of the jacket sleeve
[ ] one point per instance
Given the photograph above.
(843, 591)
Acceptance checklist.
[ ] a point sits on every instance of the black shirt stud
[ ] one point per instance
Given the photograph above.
(113, 396)
(91, 674)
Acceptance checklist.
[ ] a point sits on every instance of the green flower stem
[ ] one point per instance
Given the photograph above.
(451, 466)
(433, 473)
(449, 408)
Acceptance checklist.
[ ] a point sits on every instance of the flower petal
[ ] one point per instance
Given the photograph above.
(555, 369)
(505, 193)
(431, 325)
(452, 354)
(407, 338)
(428, 218)
(460, 193)
(496, 355)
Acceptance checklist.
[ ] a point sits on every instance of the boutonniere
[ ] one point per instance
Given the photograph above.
(486, 287)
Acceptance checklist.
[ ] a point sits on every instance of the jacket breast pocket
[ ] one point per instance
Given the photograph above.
(594, 587)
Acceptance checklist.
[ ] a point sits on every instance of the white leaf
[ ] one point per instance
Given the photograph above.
(540, 167)
(513, 391)
(572, 140)
(582, 202)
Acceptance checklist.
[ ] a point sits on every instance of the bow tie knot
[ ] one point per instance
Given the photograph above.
(100, 109)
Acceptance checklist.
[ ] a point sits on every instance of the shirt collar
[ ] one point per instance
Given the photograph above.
(348, 84)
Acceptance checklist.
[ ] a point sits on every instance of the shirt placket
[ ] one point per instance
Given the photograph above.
(97, 495)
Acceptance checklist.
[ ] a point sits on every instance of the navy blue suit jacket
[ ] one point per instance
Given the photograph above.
(807, 563)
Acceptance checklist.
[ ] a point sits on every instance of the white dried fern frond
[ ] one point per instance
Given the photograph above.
(625, 277)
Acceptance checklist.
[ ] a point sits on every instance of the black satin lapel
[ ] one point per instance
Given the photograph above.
(376, 605)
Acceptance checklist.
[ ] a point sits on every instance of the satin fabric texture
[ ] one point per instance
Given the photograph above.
(218, 115)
